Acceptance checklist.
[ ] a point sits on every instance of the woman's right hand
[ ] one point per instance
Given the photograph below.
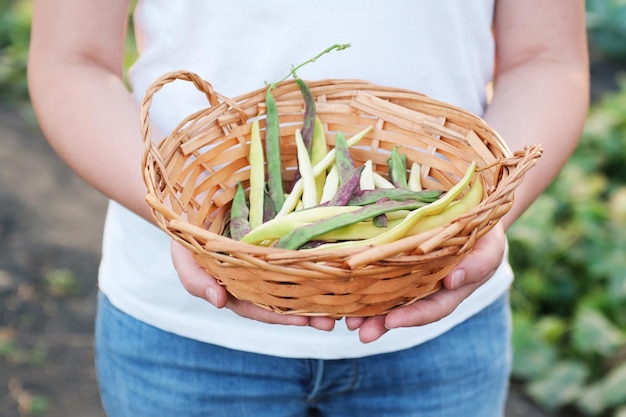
(200, 284)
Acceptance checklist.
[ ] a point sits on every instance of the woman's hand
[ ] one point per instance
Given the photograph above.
(473, 271)
(200, 284)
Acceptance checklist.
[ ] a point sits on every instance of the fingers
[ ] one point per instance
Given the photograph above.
(474, 270)
(200, 284)
(430, 309)
(422, 312)
(482, 261)
(254, 312)
(195, 279)
(322, 323)
(354, 323)
(372, 329)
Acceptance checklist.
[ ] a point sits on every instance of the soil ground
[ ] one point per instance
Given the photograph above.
(50, 230)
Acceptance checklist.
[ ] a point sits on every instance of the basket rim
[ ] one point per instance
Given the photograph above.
(150, 156)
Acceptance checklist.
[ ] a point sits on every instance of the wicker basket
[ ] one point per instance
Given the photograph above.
(191, 177)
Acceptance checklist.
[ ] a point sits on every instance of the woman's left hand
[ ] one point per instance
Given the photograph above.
(473, 271)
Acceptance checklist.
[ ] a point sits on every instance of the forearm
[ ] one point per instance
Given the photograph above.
(91, 121)
(545, 103)
(75, 79)
(541, 87)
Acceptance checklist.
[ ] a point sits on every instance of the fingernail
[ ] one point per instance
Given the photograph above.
(211, 295)
(388, 326)
(458, 277)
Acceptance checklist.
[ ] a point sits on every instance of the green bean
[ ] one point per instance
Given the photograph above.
(319, 149)
(397, 169)
(470, 200)
(257, 176)
(269, 212)
(321, 166)
(358, 231)
(347, 188)
(367, 182)
(279, 226)
(239, 225)
(308, 123)
(414, 182)
(364, 197)
(380, 181)
(403, 228)
(331, 185)
(343, 159)
(272, 151)
(380, 221)
(301, 235)
(309, 188)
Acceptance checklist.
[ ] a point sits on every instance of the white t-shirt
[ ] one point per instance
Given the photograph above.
(441, 48)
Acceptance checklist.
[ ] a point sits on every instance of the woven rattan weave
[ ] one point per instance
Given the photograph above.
(191, 176)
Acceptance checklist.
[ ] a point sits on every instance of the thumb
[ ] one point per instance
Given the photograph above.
(194, 277)
(481, 262)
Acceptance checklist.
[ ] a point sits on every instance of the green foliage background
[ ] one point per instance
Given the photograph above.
(14, 37)
(606, 24)
(568, 250)
(569, 297)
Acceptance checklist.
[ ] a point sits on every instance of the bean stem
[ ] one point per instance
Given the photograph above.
(272, 131)
(337, 47)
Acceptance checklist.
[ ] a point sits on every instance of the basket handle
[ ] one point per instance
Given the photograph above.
(202, 85)
(521, 162)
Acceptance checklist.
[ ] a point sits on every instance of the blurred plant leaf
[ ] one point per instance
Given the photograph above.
(532, 353)
(621, 412)
(62, 282)
(608, 392)
(560, 386)
(592, 332)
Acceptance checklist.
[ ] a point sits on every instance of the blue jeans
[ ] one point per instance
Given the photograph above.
(143, 371)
